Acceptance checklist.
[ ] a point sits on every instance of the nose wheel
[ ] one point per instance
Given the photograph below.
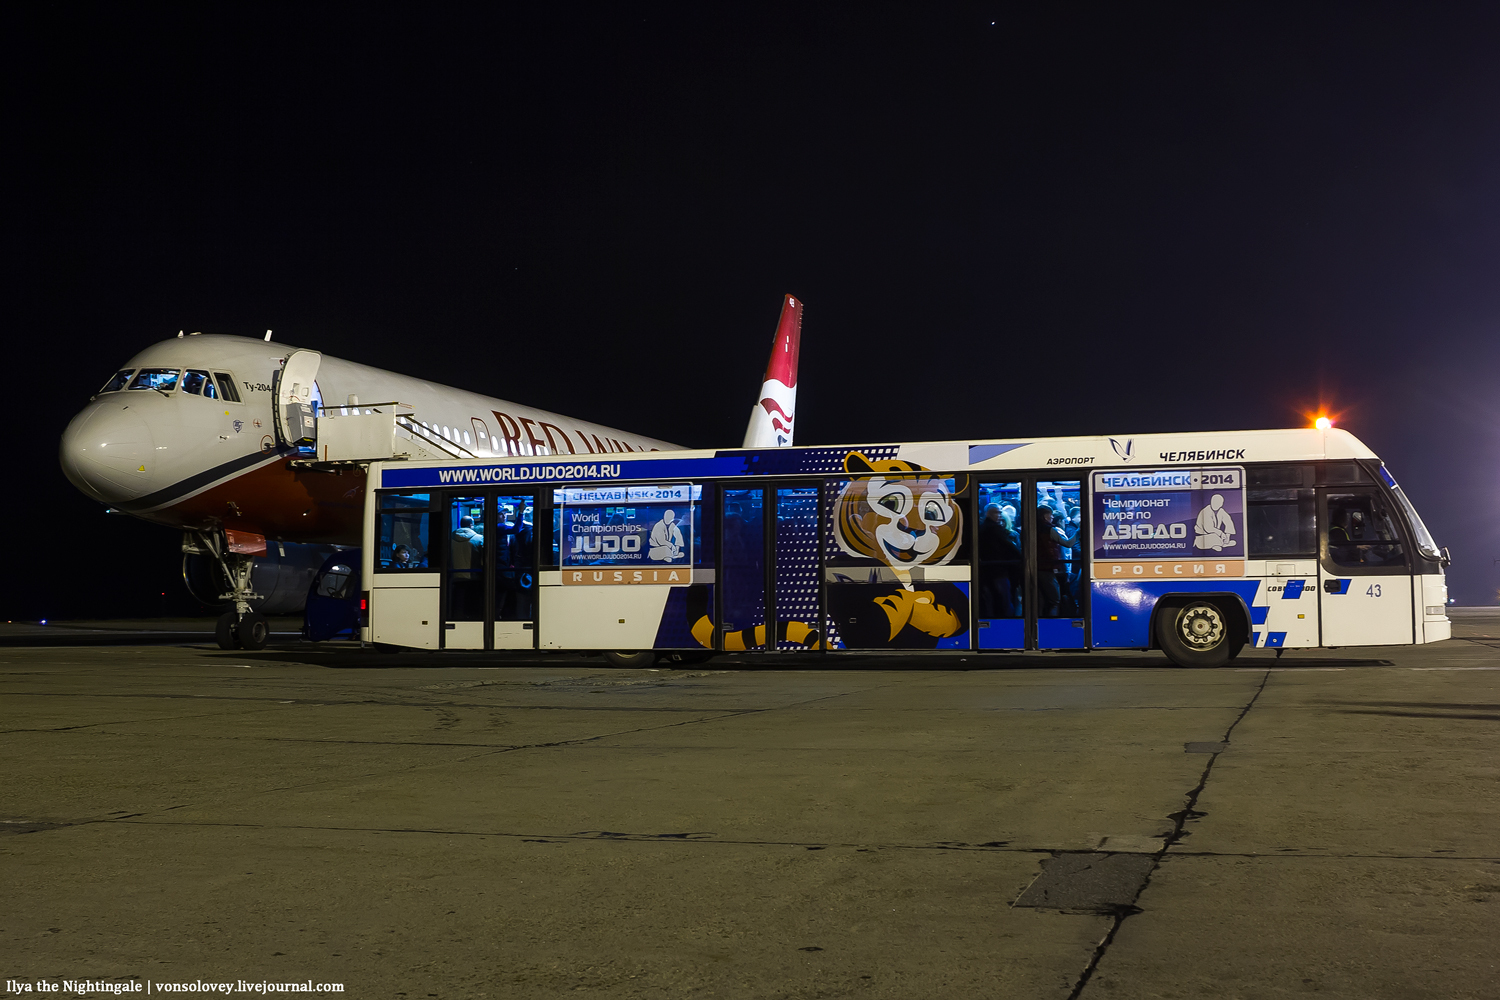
(236, 631)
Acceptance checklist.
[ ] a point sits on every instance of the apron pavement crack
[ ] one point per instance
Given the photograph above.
(1110, 878)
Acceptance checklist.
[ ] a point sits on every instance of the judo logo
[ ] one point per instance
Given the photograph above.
(1214, 528)
(666, 539)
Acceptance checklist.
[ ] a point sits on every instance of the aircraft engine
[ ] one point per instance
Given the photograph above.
(281, 577)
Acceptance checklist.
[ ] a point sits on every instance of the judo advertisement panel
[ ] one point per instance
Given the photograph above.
(1170, 523)
(627, 535)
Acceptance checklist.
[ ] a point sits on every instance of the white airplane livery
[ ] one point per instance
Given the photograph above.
(218, 436)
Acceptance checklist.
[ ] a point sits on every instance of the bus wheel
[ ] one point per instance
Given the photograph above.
(254, 631)
(629, 661)
(1197, 634)
(224, 631)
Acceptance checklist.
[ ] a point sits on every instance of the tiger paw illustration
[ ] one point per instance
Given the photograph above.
(920, 610)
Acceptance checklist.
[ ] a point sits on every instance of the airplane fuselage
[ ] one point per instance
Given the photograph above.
(190, 461)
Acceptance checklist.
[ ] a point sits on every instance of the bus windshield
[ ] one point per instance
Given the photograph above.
(1424, 538)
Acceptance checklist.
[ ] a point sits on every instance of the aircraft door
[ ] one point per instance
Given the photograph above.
(295, 389)
(1365, 589)
(515, 576)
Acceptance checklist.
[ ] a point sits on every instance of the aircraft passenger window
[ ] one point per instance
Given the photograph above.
(120, 381)
(1281, 523)
(1361, 531)
(164, 379)
(231, 392)
(194, 381)
(466, 438)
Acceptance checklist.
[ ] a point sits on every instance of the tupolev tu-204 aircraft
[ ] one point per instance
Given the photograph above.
(217, 436)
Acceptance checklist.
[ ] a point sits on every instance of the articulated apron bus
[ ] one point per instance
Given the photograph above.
(1192, 544)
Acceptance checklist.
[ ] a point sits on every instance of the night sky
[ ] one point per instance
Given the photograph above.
(1086, 222)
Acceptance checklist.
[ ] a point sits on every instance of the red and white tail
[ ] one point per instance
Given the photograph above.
(771, 419)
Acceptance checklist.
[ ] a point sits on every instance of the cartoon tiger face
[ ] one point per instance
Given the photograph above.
(894, 513)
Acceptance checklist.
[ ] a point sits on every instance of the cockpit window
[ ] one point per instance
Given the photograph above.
(120, 380)
(229, 392)
(164, 379)
(198, 383)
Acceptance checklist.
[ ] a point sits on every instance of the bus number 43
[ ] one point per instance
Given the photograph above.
(1373, 590)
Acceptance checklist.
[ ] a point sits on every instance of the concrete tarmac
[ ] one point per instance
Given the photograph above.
(1054, 825)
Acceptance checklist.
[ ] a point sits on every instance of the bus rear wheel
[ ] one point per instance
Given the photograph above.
(1196, 633)
(631, 660)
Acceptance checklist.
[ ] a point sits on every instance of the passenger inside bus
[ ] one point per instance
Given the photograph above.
(515, 575)
(1059, 553)
(1000, 564)
(403, 528)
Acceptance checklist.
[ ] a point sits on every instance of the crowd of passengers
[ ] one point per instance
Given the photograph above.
(1058, 552)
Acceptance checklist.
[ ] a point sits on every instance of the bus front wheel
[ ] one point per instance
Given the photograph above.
(632, 660)
(1196, 633)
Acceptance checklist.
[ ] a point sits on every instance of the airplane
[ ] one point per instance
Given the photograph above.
(217, 436)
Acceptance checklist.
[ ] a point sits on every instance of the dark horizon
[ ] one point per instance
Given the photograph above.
(1117, 224)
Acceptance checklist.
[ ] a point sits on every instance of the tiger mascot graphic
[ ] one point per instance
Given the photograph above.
(897, 514)
(900, 517)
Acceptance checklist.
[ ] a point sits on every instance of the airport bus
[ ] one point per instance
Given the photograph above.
(1194, 544)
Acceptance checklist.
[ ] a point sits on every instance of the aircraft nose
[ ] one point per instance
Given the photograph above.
(107, 453)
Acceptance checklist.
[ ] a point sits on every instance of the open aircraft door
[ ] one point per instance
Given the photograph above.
(295, 426)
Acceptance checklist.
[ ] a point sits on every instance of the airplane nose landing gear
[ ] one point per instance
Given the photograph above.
(241, 627)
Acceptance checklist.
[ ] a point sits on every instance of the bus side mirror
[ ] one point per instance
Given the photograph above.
(1447, 559)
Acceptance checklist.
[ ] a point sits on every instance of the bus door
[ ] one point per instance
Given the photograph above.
(515, 578)
(794, 591)
(1365, 589)
(1000, 604)
(463, 574)
(1032, 589)
(741, 577)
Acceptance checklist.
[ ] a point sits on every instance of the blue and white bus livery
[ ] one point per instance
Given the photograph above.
(1193, 544)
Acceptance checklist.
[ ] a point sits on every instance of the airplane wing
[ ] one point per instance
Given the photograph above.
(772, 419)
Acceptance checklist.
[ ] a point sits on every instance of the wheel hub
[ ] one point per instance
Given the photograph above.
(1201, 626)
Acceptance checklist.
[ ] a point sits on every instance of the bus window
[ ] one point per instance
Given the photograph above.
(515, 570)
(1361, 531)
(1058, 547)
(1281, 523)
(194, 382)
(404, 529)
(118, 382)
(230, 393)
(1342, 474)
(465, 559)
(741, 566)
(164, 379)
(705, 526)
(1002, 590)
(1279, 475)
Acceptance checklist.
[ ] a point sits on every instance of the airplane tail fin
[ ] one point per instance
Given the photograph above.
(771, 419)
